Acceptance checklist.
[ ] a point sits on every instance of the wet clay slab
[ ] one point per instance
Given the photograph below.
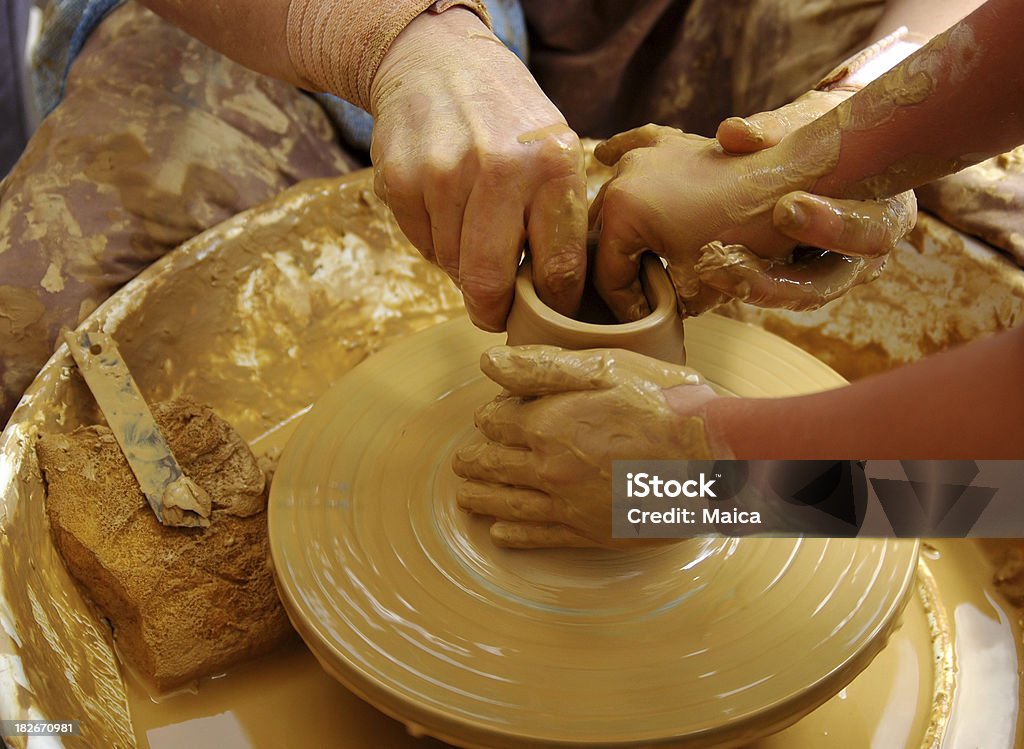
(403, 597)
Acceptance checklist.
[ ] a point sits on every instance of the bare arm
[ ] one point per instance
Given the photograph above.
(961, 404)
(251, 34)
(612, 405)
(957, 101)
(954, 103)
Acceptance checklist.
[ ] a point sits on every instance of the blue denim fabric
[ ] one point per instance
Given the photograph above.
(68, 25)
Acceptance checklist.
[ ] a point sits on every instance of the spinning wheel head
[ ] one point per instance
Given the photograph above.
(404, 599)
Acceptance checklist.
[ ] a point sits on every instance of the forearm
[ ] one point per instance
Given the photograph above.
(252, 34)
(334, 46)
(952, 104)
(964, 404)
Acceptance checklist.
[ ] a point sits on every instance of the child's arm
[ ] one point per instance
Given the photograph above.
(963, 404)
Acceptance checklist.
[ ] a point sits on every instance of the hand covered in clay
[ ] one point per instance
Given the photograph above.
(473, 160)
(543, 469)
(676, 194)
(865, 231)
(748, 209)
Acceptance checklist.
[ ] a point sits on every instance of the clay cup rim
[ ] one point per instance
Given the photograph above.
(657, 285)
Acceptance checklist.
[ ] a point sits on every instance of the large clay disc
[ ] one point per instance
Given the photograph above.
(404, 599)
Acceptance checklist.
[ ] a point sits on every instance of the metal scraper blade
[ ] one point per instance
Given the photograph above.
(175, 498)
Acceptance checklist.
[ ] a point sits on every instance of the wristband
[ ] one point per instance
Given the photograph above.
(336, 46)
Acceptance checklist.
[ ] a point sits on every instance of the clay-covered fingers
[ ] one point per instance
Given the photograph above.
(610, 151)
(766, 129)
(535, 370)
(428, 197)
(473, 159)
(492, 240)
(394, 188)
(868, 228)
(515, 535)
(622, 242)
(543, 466)
(524, 518)
(557, 229)
(497, 464)
(445, 200)
(594, 213)
(506, 420)
(509, 502)
(801, 285)
(701, 299)
(536, 190)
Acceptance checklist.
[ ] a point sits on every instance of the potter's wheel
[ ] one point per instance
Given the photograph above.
(403, 598)
(303, 289)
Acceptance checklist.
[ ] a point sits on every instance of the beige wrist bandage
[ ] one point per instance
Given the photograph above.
(337, 45)
(870, 63)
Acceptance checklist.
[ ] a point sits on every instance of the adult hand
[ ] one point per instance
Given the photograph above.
(543, 470)
(474, 160)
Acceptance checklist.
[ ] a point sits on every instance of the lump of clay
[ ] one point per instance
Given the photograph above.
(206, 446)
(183, 602)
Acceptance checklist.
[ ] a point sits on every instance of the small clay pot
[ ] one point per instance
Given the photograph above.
(659, 334)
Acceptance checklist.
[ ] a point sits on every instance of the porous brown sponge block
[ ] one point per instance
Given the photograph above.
(183, 602)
